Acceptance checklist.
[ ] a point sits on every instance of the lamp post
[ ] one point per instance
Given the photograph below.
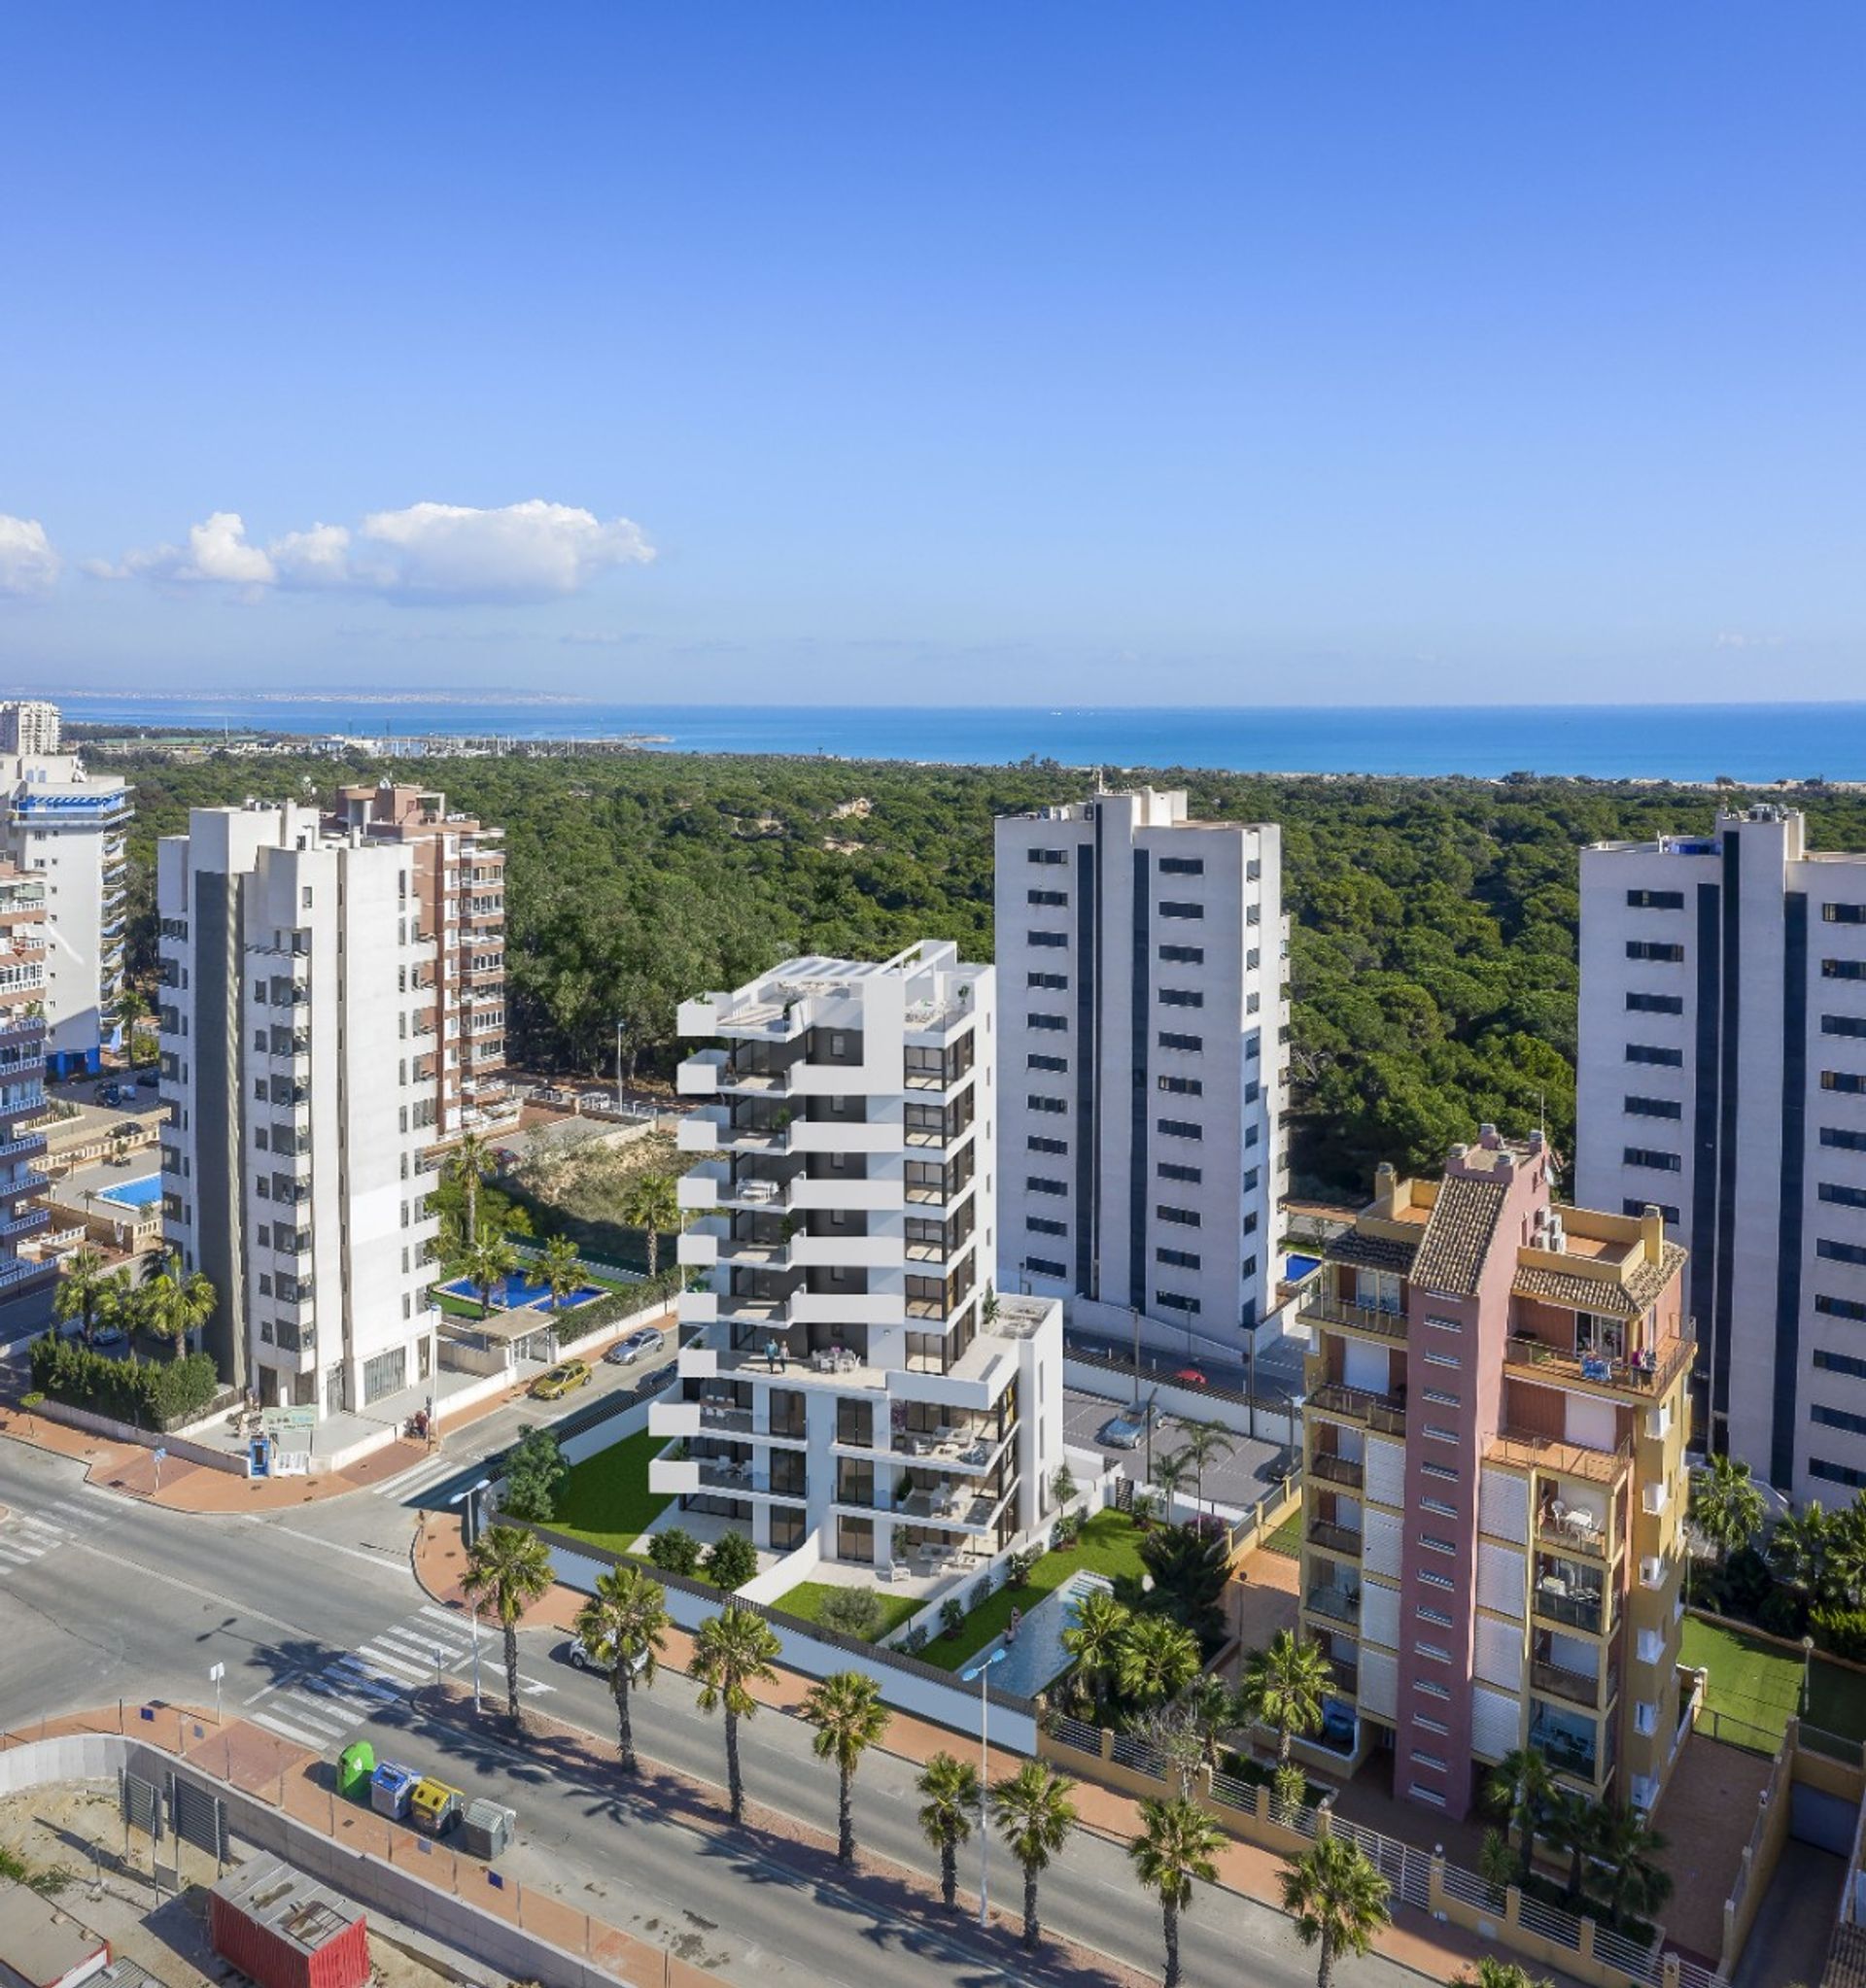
(980, 1671)
(618, 1063)
(1807, 1671)
(470, 1519)
(1240, 1605)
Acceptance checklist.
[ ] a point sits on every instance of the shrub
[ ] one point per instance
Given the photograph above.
(1017, 1567)
(1747, 1581)
(1843, 1630)
(915, 1641)
(1288, 1786)
(951, 1615)
(1783, 1613)
(534, 1472)
(1068, 1528)
(731, 1562)
(675, 1552)
(853, 1612)
(1062, 1486)
(153, 1397)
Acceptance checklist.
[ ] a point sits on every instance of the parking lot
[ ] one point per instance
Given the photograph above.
(1237, 1480)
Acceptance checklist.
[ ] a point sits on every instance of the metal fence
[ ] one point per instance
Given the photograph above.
(1549, 1922)
(1234, 1793)
(1076, 1732)
(1739, 1733)
(1140, 1755)
(1639, 1963)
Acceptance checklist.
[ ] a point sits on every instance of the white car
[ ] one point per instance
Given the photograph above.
(580, 1656)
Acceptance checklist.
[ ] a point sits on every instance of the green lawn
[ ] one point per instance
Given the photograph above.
(807, 1600)
(1110, 1545)
(1287, 1539)
(1760, 1684)
(605, 1499)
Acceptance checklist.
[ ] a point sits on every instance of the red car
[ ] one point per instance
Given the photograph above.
(1191, 1377)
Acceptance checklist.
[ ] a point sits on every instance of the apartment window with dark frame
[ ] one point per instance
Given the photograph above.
(1038, 1102)
(1182, 1086)
(1843, 1024)
(1654, 1004)
(1049, 900)
(1850, 1309)
(1056, 1148)
(1652, 1158)
(1841, 1139)
(1188, 1046)
(1655, 900)
(1182, 955)
(1056, 1065)
(1631, 1205)
(1840, 1252)
(1179, 907)
(1848, 1082)
(1186, 1218)
(1843, 970)
(1047, 984)
(1181, 866)
(1042, 1226)
(1653, 1108)
(1171, 1170)
(1055, 1024)
(1655, 1053)
(1840, 1196)
(1653, 950)
(1058, 940)
(1176, 1260)
(1844, 914)
(1176, 1301)
(1039, 1184)
(1178, 1128)
(1054, 857)
(1181, 997)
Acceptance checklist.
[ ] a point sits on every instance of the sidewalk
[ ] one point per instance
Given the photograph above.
(1413, 1940)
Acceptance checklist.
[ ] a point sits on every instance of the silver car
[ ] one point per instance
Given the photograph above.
(1125, 1431)
(580, 1656)
(626, 1352)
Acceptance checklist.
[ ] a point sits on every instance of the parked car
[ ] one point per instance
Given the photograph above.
(1191, 1377)
(578, 1655)
(1126, 1430)
(652, 1384)
(562, 1378)
(626, 1352)
(108, 1338)
(149, 1076)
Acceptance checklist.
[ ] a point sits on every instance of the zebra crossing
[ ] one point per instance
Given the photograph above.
(319, 1708)
(407, 1488)
(28, 1536)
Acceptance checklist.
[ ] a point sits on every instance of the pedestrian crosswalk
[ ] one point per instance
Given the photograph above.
(321, 1708)
(407, 1488)
(28, 1536)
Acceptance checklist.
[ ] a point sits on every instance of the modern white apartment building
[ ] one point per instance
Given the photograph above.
(28, 726)
(23, 1095)
(300, 1074)
(65, 824)
(856, 1378)
(1141, 969)
(1723, 1078)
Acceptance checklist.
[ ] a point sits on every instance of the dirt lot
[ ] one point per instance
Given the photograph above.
(70, 1843)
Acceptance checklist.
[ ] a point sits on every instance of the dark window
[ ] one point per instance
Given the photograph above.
(1183, 1086)
(1176, 1260)
(1042, 1226)
(1051, 938)
(1848, 1081)
(1058, 1064)
(1841, 1252)
(1169, 909)
(1039, 1103)
(1844, 914)
(1250, 1180)
(1843, 1025)
(1049, 855)
(1054, 899)
(1838, 1308)
(1036, 1143)
(1843, 1197)
(1051, 983)
(1653, 1052)
(1838, 1418)
(1043, 1267)
(1654, 1108)
(1835, 1473)
(1659, 1162)
(1052, 1022)
(1183, 955)
(1182, 865)
(1844, 1141)
(1181, 997)
(1839, 1363)
(1656, 900)
(1170, 1170)
(1632, 1206)
(1179, 1128)
(1035, 1183)
(1650, 948)
(1186, 1218)
(1843, 970)
(1172, 1301)
(1192, 1045)
(1655, 1004)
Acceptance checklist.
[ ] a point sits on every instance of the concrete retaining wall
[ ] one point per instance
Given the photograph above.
(1264, 1422)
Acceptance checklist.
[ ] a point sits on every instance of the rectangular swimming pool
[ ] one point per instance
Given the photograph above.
(135, 1193)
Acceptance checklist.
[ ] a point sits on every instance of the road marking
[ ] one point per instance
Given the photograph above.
(145, 1572)
(355, 1553)
(423, 1647)
(451, 1615)
(285, 1731)
(313, 1713)
(394, 1665)
(18, 1559)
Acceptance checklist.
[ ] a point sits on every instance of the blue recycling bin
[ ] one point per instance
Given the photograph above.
(390, 1789)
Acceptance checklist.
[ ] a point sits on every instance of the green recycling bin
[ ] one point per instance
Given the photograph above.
(355, 1764)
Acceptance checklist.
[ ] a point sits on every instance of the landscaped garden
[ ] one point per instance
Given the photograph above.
(821, 1601)
(606, 1498)
(1759, 1682)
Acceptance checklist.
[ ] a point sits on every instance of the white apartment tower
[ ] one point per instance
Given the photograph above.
(1722, 1078)
(65, 825)
(1141, 968)
(856, 1376)
(301, 1073)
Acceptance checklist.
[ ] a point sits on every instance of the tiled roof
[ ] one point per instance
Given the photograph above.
(1609, 1297)
(1370, 1252)
(1463, 1219)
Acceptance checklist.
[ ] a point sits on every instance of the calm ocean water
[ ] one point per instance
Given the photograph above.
(1753, 743)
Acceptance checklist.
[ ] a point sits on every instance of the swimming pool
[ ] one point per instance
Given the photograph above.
(1296, 1268)
(1037, 1657)
(135, 1193)
(518, 1291)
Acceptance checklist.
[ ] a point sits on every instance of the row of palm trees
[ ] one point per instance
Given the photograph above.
(1611, 1851)
(1336, 1896)
(154, 1295)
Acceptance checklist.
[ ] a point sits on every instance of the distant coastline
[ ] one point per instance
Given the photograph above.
(1754, 745)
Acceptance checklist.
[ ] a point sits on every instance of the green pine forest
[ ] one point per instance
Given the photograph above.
(1433, 921)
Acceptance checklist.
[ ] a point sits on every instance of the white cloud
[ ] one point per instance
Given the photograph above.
(29, 565)
(1735, 639)
(532, 551)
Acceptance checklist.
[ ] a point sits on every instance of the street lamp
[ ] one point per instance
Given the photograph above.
(978, 1670)
(1807, 1670)
(618, 1063)
(470, 1519)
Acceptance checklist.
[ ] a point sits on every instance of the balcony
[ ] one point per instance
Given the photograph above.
(1578, 1687)
(1566, 1750)
(1552, 1599)
(1332, 1469)
(1568, 1534)
(1647, 1376)
(1529, 1449)
(1383, 1412)
(1321, 1310)
(1332, 1539)
(1339, 1604)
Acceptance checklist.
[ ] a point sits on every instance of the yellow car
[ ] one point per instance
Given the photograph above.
(560, 1379)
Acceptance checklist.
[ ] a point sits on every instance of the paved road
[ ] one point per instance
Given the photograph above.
(325, 1635)
(1239, 1480)
(1276, 1376)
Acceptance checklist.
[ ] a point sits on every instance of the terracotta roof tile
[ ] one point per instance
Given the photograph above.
(1370, 1252)
(1609, 1297)
(1458, 1237)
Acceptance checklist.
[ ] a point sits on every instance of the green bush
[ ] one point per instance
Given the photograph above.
(1841, 1630)
(153, 1397)
(675, 1552)
(732, 1562)
(535, 1472)
(1783, 1613)
(853, 1612)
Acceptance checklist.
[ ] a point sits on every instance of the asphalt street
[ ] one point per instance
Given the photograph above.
(325, 1635)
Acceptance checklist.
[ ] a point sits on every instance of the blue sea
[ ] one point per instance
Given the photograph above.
(1751, 744)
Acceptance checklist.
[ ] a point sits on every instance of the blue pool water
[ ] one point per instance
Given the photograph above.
(1296, 1268)
(519, 1292)
(135, 1193)
(1038, 1656)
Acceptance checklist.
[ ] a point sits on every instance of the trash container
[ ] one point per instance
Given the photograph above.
(487, 1828)
(355, 1765)
(433, 1806)
(390, 1788)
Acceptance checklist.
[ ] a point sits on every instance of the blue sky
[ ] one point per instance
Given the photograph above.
(942, 354)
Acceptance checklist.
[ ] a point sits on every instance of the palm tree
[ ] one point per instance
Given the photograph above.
(1494, 1973)
(1158, 1659)
(1034, 1816)
(1726, 1507)
(1283, 1688)
(1337, 1899)
(489, 1261)
(846, 1710)
(81, 1287)
(124, 1303)
(733, 1651)
(1800, 1549)
(1630, 1849)
(1209, 1707)
(507, 1568)
(1169, 1476)
(1095, 1641)
(469, 1162)
(175, 1303)
(625, 1622)
(1176, 1848)
(954, 1793)
(652, 1205)
(1206, 1441)
(1847, 1552)
(561, 1268)
(1521, 1791)
(1572, 1824)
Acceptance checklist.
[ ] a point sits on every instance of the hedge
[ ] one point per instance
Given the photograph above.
(154, 1395)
